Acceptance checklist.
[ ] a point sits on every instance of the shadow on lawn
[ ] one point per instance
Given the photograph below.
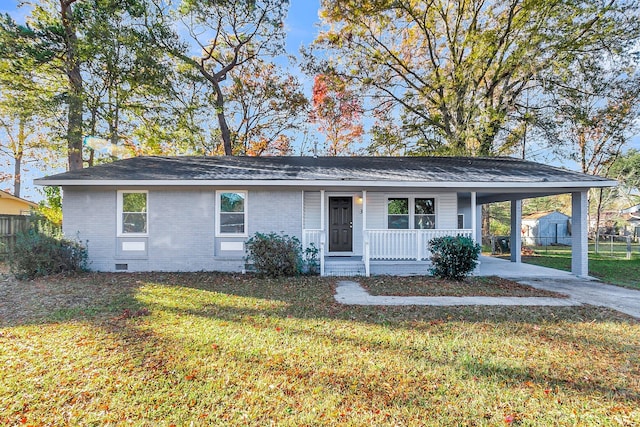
(111, 301)
(91, 295)
(312, 299)
(62, 298)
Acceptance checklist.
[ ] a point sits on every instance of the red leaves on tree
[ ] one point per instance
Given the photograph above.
(337, 111)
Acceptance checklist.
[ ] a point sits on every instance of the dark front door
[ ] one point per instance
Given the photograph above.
(340, 224)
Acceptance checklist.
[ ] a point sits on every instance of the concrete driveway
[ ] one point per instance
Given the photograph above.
(586, 291)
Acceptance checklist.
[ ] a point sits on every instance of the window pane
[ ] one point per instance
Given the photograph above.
(398, 207)
(425, 222)
(460, 221)
(231, 202)
(232, 223)
(134, 202)
(134, 222)
(398, 222)
(425, 207)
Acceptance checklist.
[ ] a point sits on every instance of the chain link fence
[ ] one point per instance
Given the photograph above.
(608, 245)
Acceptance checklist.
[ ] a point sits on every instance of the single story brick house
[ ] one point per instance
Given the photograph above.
(367, 215)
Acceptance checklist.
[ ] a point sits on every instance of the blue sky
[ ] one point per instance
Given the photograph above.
(301, 23)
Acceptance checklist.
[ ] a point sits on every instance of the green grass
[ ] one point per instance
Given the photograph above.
(207, 349)
(615, 270)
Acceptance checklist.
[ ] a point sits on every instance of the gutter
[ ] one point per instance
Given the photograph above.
(327, 183)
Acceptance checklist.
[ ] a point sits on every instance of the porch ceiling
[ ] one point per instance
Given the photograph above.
(505, 196)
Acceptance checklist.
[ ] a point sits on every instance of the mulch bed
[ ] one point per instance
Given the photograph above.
(471, 286)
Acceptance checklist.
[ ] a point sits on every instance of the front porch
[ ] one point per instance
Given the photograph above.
(348, 227)
(395, 252)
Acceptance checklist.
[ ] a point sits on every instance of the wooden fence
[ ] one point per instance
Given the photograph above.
(10, 226)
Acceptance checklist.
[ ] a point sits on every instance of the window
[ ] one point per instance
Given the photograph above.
(406, 212)
(398, 213)
(424, 214)
(132, 213)
(460, 221)
(232, 213)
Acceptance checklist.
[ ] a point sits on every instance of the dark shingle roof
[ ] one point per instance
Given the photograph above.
(398, 169)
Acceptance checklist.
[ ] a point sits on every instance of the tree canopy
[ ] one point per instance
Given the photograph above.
(456, 73)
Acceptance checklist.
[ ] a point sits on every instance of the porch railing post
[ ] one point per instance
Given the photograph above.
(367, 265)
(322, 254)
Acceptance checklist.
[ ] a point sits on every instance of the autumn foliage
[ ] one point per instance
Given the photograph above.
(337, 110)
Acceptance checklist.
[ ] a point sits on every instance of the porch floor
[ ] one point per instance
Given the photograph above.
(489, 266)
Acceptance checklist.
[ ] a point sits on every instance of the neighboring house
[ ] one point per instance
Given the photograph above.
(546, 228)
(12, 205)
(632, 217)
(367, 215)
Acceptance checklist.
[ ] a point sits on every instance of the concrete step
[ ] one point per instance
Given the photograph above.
(344, 268)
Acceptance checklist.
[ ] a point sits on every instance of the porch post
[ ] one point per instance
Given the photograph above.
(579, 230)
(302, 221)
(365, 236)
(516, 226)
(474, 219)
(322, 233)
(479, 224)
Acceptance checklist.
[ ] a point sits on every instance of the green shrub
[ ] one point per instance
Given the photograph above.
(311, 261)
(453, 258)
(40, 254)
(274, 255)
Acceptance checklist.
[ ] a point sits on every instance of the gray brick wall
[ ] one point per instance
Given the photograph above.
(181, 227)
(276, 211)
(90, 216)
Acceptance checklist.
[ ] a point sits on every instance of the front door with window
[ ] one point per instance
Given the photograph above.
(340, 224)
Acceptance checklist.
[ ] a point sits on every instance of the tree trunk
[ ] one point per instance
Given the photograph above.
(598, 210)
(72, 70)
(225, 133)
(17, 158)
(17, 178)
(486, 220)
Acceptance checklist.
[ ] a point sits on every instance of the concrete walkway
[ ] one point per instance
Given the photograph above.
(349, 292)
(580, 290)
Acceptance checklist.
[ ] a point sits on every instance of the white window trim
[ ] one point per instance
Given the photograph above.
(463, 218)
(119, 204)
(246, 214)
(412, 209)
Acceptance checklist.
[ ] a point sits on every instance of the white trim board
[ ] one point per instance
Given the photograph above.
(468, 185)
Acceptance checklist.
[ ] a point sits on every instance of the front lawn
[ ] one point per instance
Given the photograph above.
(615, 270)
(213, 349)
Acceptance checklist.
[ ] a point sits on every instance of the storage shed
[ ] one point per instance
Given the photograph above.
(546, 228)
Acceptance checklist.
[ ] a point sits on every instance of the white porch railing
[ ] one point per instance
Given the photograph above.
(404, 244)
(396, 245)
(311, 236)
(317, 238)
